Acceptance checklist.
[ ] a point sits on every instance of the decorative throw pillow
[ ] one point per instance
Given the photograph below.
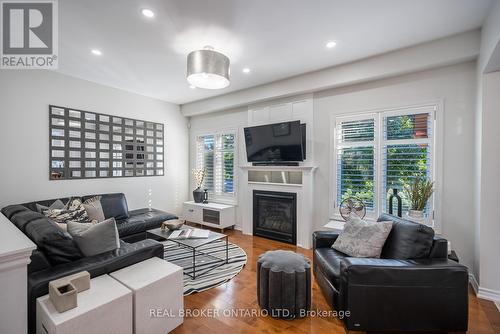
(95, 238)
(361, 238)
(58, 205)
(74, 212)
(94, 209)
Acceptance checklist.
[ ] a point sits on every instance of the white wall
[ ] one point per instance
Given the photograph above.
(231, 119)
(455, 86)
(489, 228)
(442, 52)
(24, 100)
(486, 191)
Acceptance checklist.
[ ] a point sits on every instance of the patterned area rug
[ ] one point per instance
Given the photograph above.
(183, 257)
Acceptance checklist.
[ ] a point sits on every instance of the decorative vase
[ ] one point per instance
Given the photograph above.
(198, 195)
(398, 200)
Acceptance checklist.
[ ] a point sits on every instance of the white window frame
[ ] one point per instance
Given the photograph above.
(435, 108)
(229, 198)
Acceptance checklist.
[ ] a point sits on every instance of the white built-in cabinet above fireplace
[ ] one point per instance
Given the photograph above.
(285, 179)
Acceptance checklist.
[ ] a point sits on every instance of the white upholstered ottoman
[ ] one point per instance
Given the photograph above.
(157, 287)
(105, 308)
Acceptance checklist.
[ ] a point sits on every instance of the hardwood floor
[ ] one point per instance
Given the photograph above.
(240, 293)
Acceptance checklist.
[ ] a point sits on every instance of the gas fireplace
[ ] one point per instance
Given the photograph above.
(275, 215)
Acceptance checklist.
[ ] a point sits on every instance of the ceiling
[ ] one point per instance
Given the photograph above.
(276, 39)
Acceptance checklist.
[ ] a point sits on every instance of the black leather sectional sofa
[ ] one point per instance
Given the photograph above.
(413, 287)
(57, 255)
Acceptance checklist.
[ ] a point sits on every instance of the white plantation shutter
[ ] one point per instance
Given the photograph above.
(205, 159)
(216, 153)
(355, 139)
(378, 152)
(407, 141)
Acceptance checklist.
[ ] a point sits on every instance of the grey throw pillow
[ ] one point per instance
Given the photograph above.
(93, 239)
(361, 238)
(58, 205)
(94, 209)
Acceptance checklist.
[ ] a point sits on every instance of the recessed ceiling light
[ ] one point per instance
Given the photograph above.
(96, 52)
(192, 86)
(331, 44)
(246, 70)
(148, 13)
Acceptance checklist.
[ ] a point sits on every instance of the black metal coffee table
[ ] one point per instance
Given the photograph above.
(194, 245)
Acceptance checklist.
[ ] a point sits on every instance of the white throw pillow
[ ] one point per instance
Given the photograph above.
(361, 238)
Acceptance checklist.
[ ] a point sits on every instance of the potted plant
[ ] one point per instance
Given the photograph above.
(199, 176)
(418, 192)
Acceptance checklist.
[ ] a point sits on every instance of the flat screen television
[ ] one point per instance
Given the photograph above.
(275, 143)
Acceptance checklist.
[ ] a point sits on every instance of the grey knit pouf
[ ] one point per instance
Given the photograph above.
(284, 283)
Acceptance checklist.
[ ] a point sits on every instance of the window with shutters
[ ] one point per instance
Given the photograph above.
(216, 153)
(375, 153)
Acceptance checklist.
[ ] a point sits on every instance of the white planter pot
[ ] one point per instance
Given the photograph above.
(416, 216)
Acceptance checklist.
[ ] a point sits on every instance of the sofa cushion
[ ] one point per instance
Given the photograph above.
(48, 202)
(57, 245)
(113, 205)
(22, 218)
(130, 226)
(152, 218)
(407, 240)
(328, 261)
(11, 210)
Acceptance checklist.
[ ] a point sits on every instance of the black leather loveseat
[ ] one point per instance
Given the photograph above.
(57, 255)
(412, 287)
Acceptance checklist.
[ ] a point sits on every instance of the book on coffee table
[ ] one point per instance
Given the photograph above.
(189, 234)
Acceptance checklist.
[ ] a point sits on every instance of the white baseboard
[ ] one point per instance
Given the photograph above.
(473, 282)
(484, 293)
(489, 294)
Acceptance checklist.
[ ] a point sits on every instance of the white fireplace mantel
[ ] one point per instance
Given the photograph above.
(304, 192)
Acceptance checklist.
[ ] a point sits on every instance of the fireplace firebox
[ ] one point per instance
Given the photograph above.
(275, 215)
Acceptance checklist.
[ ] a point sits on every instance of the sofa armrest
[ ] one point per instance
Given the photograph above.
(96, 265)
(38, 262)
(324, 239)
(416, 290)
(422, 272)
(439, 249)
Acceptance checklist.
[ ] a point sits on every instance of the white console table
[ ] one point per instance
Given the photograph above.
(215, 215)
(15, 252)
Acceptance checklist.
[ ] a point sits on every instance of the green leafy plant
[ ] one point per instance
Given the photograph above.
(419, 192)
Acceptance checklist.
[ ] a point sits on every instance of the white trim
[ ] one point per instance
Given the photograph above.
(435, 108)
(488, 294)
(473, 283)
